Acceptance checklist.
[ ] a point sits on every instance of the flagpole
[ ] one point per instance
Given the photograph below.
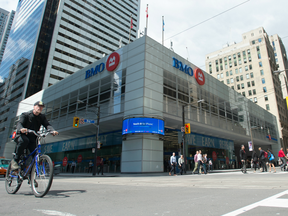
(130, 27)
(146, 30)
(163, 30)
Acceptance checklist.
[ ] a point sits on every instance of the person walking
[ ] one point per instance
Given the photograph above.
(210, 165)
(181, 164)
(173, 163)
(101, 164)
(254, 160)
(261, 159)
(271, 160)
(204, 160)
(73, 166)
(200, 162)
(195, 162)
(243, 158)
(282, 156)
(90, 166)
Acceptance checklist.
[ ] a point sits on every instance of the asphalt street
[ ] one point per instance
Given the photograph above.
(228, 193)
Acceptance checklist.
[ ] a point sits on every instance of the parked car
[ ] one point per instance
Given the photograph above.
(4, 163)
(57, 169)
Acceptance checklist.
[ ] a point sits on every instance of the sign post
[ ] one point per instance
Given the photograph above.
(97, 132)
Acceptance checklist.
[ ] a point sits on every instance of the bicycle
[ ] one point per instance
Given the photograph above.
(39, 172)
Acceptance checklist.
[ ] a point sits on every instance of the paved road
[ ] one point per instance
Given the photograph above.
(213, 194)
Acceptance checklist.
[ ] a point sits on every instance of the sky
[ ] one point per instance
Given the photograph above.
(212, 23)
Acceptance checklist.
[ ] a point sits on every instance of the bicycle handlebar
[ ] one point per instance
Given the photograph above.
(38, 134)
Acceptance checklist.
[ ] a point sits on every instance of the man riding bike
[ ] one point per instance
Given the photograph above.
(29, 120)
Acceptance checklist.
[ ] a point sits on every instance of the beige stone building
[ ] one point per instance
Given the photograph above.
(248, 66)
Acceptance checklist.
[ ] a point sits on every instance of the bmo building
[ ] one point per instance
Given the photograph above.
(144, 91)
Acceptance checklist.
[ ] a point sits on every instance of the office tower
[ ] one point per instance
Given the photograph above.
(58, 38)
(5, 27)
(248, 67)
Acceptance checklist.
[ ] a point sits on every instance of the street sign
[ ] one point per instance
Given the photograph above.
(89, 121)
(82, 121)
(65, 161)
(182, 129)
(93, 150)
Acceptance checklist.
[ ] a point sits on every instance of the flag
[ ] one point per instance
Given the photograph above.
(131, 23)
(147, 11)
(163, 23)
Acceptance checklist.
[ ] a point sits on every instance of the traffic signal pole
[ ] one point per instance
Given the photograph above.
(96, 147)
(183, 138)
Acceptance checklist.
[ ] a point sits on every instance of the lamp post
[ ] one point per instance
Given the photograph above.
(252, 128)
(94, 171)
(183, 133)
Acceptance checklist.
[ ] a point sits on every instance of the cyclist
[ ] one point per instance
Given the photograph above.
(29, 120)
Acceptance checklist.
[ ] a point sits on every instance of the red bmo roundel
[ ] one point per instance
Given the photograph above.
(112, 61)
(199, 76)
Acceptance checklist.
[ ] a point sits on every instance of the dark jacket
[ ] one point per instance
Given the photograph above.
(261, 155)
(254, 157)
(243, 155)
(30, 121)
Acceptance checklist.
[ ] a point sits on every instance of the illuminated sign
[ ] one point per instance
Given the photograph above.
(143, 125)
(199, 75)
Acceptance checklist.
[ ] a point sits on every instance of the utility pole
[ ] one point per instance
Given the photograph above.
(183, 137)
(96, 145)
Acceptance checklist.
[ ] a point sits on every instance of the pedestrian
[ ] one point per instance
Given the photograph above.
(271, 160)
(261, 159)
(254, 160)
(210, 165)
(287, 160)
(196, 162)
(243, 158)
(73, 166)
(90, 166)
(204, 160)
(200, 162)
(181, 164)
(101, 166)
(173, 163)
(282, 156)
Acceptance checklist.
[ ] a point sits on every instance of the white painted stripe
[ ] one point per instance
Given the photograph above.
(53, 212)
(270, 201)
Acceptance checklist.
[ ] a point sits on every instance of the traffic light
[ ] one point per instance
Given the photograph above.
(187, 128)
(101, 144)
(76, 122)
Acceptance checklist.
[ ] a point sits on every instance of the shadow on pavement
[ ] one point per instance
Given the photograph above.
(63, 193)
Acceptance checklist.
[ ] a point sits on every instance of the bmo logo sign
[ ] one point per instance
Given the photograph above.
(112, 61)
(199, 75)
(111, 64)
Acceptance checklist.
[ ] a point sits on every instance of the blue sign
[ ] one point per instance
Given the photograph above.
(93, 71)
(143, 125)
(185, 68)
(89, 121)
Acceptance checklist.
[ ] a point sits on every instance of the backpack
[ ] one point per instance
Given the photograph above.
(265, 154)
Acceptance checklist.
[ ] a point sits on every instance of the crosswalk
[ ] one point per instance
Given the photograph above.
(249, 173)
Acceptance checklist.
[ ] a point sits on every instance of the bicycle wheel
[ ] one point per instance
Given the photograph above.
(12, 181)
(42, 176)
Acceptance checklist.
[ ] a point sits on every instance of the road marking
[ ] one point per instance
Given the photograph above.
(272, 201)
(53, 212)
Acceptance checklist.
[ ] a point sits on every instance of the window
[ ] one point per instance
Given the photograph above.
(242, 85)
(241, 77)
(250, 67)
(227, 74)
(254, 91)
(218, 76)
(246, 68)
(266, 97)
(252, 83)
(232, 80)
(236, 71)
(251, 75)
(229, 57)
(259, 40)
(260, 64)
(255, 99)
(253, 42)
(250, 59)
(232, 87)
(238, 86)
(248, 84)
(222, 75)
(231, 72)
(240, 62)
(264, 89)
(276, 59)
(228, 81)
(243, 93)
(275, 54)
(267, 107)
(247, 76)
(259, 56)
(248, 51)
(237, 78)
(261, 72)
(216, 62)
(240, 70)
(257, 48)
(234, 56)
(263, 80)
(250, 92)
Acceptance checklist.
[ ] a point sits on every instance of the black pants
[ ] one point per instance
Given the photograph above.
(73, 169)
(173, 168)
(100, 170)
(23, 142)
(182, 168)
(243, 166)
(199, 169)
(89, 169)
(283, 162)
(263, 165)
(255, 165)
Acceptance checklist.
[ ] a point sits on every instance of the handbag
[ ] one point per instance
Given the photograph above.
(271, 157)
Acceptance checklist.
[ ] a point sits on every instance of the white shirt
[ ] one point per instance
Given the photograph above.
(199, 157)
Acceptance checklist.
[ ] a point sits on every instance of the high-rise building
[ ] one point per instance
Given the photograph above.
(57, 38)
(248, 67)
(5, 27)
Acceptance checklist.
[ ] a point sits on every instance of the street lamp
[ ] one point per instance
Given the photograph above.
(183, 133)
(252, 128)
(97, 134)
